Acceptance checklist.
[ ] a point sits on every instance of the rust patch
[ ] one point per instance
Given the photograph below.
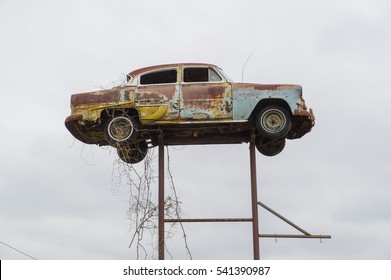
(202, 92)
(156, 92)
(271, 87)
(100, 97)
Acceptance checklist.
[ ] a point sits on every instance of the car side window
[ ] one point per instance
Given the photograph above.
(213, 76)
(161, 77)
(200, 74)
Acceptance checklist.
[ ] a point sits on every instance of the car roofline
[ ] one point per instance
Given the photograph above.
(137, 72)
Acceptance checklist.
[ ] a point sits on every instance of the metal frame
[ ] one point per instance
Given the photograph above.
(254, 207)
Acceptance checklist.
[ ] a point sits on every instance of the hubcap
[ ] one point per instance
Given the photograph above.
(273, 121)
(120, 129)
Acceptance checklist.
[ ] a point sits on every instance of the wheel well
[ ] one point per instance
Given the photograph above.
(112, 112)
(267, 102)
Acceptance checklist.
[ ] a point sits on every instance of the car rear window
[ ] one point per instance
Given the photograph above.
(161, 77)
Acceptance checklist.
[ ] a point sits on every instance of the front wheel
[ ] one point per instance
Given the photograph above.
(273, 122)
(121, 130)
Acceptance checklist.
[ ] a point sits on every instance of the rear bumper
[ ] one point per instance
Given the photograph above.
(85, 132)
(73, 118)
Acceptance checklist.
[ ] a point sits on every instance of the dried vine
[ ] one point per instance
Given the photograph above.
(141, 179)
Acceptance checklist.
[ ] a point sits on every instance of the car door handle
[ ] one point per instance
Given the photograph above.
(175, 105)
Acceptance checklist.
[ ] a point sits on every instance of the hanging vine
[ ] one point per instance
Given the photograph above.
(143, 213)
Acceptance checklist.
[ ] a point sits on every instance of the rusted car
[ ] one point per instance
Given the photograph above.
(186, 104)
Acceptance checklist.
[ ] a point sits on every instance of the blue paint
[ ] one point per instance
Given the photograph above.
(246, 98)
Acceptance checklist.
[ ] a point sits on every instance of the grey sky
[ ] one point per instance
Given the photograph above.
(57, 200)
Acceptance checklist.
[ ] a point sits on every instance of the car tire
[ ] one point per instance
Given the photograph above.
(133, 153)
(273, 122)
(121, 130)
(269, 147)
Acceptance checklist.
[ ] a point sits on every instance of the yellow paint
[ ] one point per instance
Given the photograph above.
(149, 114)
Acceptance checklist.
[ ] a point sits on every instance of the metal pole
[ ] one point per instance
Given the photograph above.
(254, 199)
(161, 198)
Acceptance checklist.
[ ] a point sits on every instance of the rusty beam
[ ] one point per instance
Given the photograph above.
(228, 139)
(306, 234)
(316, 236)
(207, 220)
(283, 218)
(254, 198)
(161, 244)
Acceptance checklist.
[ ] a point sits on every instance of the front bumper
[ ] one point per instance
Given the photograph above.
(302, 123)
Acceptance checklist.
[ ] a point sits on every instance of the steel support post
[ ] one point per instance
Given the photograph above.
(254, 200)
(161, 199)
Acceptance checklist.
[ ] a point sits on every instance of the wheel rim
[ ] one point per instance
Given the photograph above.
(273, 121)
(120, 129)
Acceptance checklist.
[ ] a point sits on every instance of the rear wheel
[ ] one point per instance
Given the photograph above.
(133, 153)
(121, 130)
(273, 122)
(269, 147)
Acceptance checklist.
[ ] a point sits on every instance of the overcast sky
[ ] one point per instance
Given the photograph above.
(57, 196)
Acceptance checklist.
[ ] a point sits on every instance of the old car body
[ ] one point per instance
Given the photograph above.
(188, 103)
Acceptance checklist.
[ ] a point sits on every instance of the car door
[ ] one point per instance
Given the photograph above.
(205, 95)
(157, 95)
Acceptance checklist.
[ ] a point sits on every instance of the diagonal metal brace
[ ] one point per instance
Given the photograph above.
(306, 234)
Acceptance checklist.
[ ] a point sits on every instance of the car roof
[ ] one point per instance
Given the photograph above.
(162, 66)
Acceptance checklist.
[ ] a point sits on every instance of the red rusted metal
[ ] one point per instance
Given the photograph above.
(206, 101)
(155, 93)
(269, 87)
(104, 97)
